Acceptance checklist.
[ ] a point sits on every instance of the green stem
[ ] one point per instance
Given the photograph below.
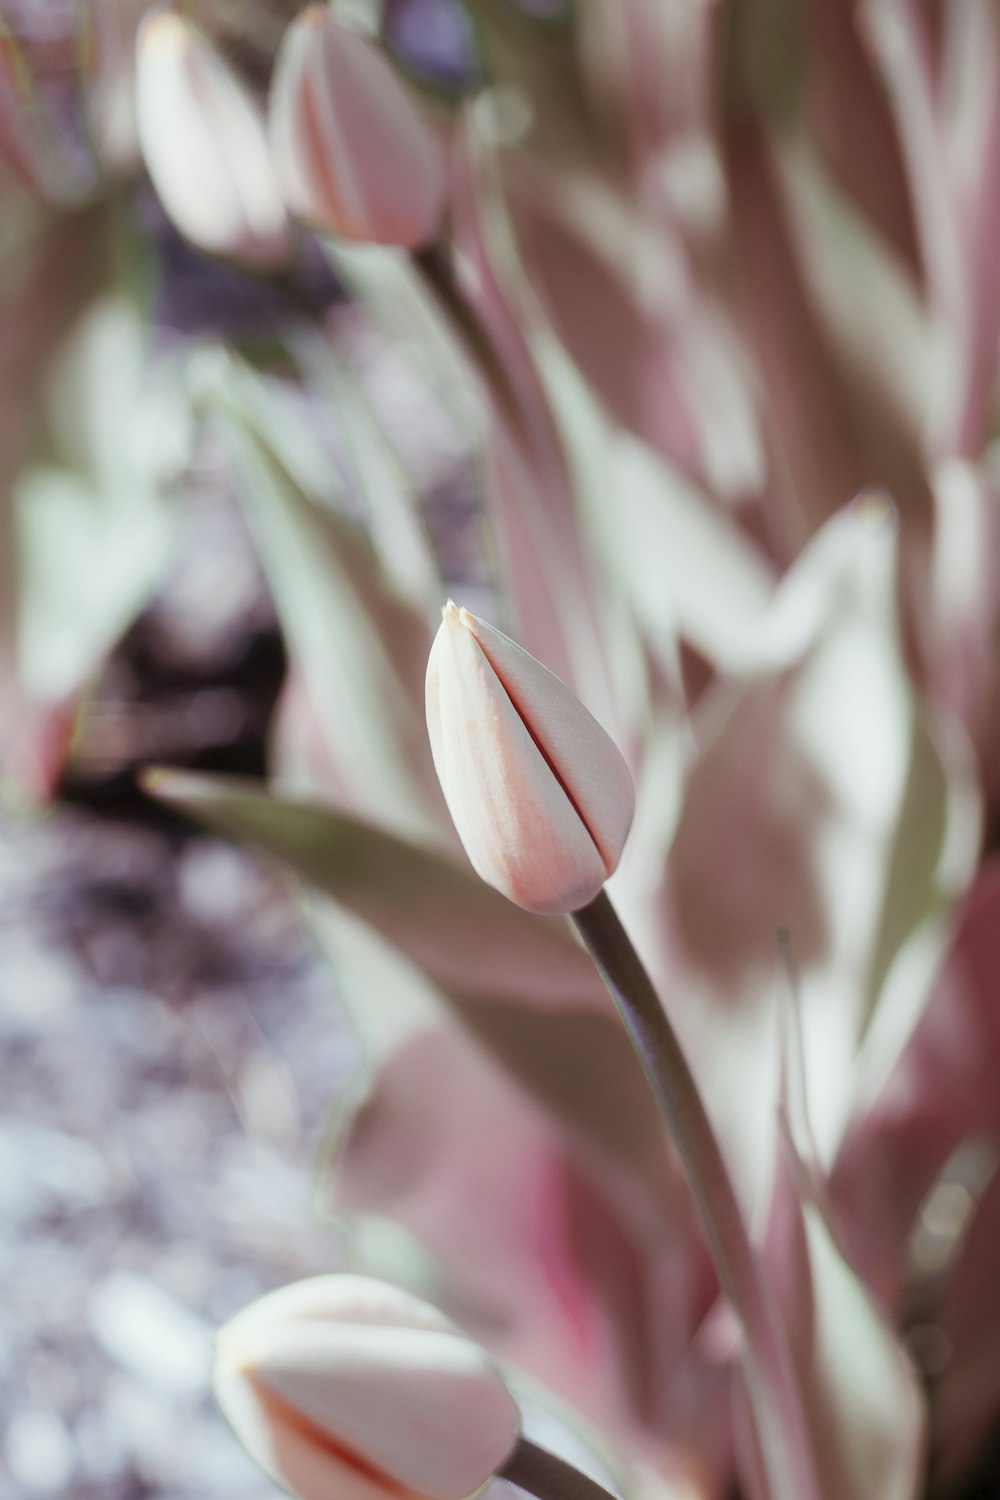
(549, 1478)
(435, 267)
(774, 1389)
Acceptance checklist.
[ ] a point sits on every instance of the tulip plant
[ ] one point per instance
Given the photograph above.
(693, 1195)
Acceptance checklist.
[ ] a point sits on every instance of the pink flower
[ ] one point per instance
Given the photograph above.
(540, 796)
(354, 153)
(344, 1386)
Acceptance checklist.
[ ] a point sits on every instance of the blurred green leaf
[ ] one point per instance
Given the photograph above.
(361, 648)
(466, 937)
(395, 522)
(93, 524)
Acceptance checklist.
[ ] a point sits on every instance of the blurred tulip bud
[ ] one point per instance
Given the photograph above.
(204, 143)
(353, 151)
(540, 796)
(346, 1387)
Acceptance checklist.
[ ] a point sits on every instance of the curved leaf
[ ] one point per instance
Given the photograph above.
(463, 935)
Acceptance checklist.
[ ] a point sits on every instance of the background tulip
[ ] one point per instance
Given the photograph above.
(205, 146)
(344, 1386)
(354, 153)
(540, 796)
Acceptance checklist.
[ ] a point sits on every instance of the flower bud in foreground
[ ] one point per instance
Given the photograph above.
(345, 1388)
(205, 145)
(353, 151)
(539, 794)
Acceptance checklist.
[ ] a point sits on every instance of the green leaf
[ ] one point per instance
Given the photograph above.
(92, 519)
(467, 938)
(360, 647)
(395, 521)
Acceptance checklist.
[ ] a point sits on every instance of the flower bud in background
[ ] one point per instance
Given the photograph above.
(205, 145)
(540, 796)
(345, 1387)
(354, 153)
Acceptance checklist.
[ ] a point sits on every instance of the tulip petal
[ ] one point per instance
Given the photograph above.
(352, 148)
(392, 1395)
(205, 146)
(293, 1454)
(598, 783)
(519, 827)
(344, 1385)
(355, 1299)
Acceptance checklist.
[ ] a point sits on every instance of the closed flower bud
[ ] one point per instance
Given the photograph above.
(354, 154)
(205, 146)
(344, 1388)
(540, 796)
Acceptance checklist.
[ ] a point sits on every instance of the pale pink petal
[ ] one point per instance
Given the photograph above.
(586, 761)
(346, 1373)
(353, 150)
(359, 1300)
(295, 1456)
(421, 1406)
(519, 827)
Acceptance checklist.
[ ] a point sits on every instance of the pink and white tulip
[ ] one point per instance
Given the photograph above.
(540, 796)
(354, 153)
(205, 146)
(345, 1386)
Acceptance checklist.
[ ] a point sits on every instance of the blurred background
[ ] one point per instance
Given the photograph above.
(170, 1053)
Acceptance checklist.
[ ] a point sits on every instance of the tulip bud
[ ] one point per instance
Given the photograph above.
(345, 1388)
(353, 151)
(204, 143)
(539, 794)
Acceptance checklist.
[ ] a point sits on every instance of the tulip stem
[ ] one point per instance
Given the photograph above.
(774, 1390)
(435, 267)
(548, 1477)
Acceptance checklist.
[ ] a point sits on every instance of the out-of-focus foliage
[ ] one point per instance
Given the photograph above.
(711, 309)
